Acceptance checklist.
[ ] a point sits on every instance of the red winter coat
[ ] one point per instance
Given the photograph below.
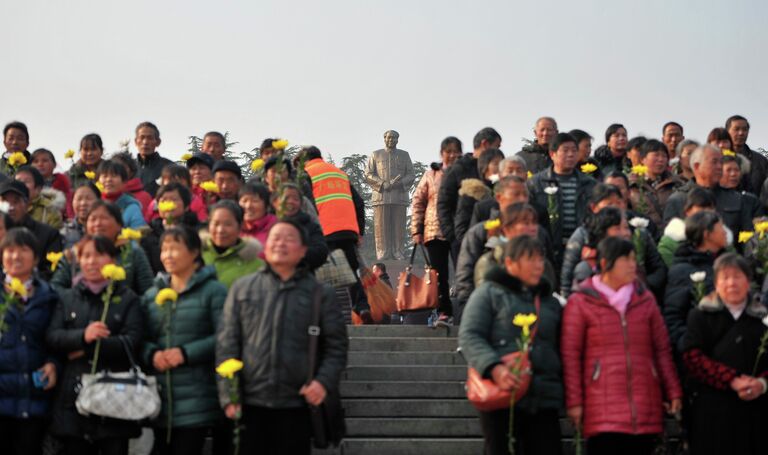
(616, 367)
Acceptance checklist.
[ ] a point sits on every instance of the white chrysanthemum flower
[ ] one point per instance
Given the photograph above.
(551, 190)
(638, 222)
(698, 277)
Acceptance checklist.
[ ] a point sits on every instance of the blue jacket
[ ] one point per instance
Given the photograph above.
(131, 208)
(23, 351)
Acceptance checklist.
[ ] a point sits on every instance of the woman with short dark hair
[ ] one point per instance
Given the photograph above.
(616, 356)
(487, 334)
(254, 200)
(28, 372)
(179, 197)
(188, 349)
(75, 329)
(728, 375)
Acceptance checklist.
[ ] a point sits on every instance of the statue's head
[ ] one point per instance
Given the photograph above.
(390, 139)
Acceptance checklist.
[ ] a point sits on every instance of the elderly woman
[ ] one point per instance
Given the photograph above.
(721, 352)
(27, 369)
(616, 356)
(254, 200)
(425, 226)
(287, 203)
(84, 197)
(105, 220)
(223, 247)
(706, 240)
(682, 166)
(187, 351)
(487, 334)
(74, 331)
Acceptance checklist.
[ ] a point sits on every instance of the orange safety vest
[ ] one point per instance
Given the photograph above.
(333, 197)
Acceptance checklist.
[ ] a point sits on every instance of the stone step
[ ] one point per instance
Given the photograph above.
(448, 427)
(359, 358)
(405, 373)
(403, 344)
(408, 408)
(401, 331)
(402, 389)
(406, 446)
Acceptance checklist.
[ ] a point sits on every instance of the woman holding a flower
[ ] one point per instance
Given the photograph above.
(653, 184)
(619, 372)
(724, 355)
(91, 152)
(183, 309)
(105, 220)
(28, 372)
(173, 208)
(706, 240)
(487, 334)
(92, 325)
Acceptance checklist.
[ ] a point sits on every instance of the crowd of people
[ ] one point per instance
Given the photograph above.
(642, 264)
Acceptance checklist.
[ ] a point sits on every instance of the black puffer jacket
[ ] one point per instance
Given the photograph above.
(77, 308)
(448, 197)
(609, 163)
(472, 192)
(536, 157)
(680, 296)
(758, 171)
(737, 209)
(150, 169)
(150, 241)
(264, 323)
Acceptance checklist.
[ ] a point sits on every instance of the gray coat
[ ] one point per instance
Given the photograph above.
(264, 323)
(384, 166)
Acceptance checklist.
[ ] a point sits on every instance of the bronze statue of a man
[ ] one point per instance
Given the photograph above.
(390, 175)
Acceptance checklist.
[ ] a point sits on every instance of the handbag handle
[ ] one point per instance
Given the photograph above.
(314, 330)
(409, 268)
(127, 348)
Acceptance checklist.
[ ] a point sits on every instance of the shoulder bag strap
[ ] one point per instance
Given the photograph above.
(314, 330)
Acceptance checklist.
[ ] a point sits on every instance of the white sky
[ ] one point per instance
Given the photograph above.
(337, 74)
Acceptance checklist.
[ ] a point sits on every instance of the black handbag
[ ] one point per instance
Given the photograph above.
(327, 419)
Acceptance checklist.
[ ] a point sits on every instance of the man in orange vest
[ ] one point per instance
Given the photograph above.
(341, 212)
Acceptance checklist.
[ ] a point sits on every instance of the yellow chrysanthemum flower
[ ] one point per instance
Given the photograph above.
(761, 228)
(129, 234)
(588, 168)
(280, 144)
(70, 154)
(17, 287)
(100, 186)
(530, 174)
(744, 236)
(640, 170)
(229, 367)
(54, 259)
(186, 157)
(166, 295)
(257, 164)
(17, 159)
(727, 152)
(492, 224)
(90, 175)
(210, 186)
(166, 206)
(525, 321)
(113, 272)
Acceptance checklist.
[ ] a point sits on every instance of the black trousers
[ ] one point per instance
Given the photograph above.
(356, 291)
(535, 433)
(621, 443)
(275, 431)
(112, 446)
(22, 436)
(183, 441)
(439, 253)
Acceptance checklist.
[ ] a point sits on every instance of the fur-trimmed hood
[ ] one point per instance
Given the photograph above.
(712, 303)
(474, 188)
(53, 199)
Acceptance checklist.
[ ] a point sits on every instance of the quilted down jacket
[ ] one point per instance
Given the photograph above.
(618, 368)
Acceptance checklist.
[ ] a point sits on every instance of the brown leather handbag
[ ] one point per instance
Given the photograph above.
(416, 293)
(485, 395)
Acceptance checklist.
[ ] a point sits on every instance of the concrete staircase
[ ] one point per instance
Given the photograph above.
(404, 394)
